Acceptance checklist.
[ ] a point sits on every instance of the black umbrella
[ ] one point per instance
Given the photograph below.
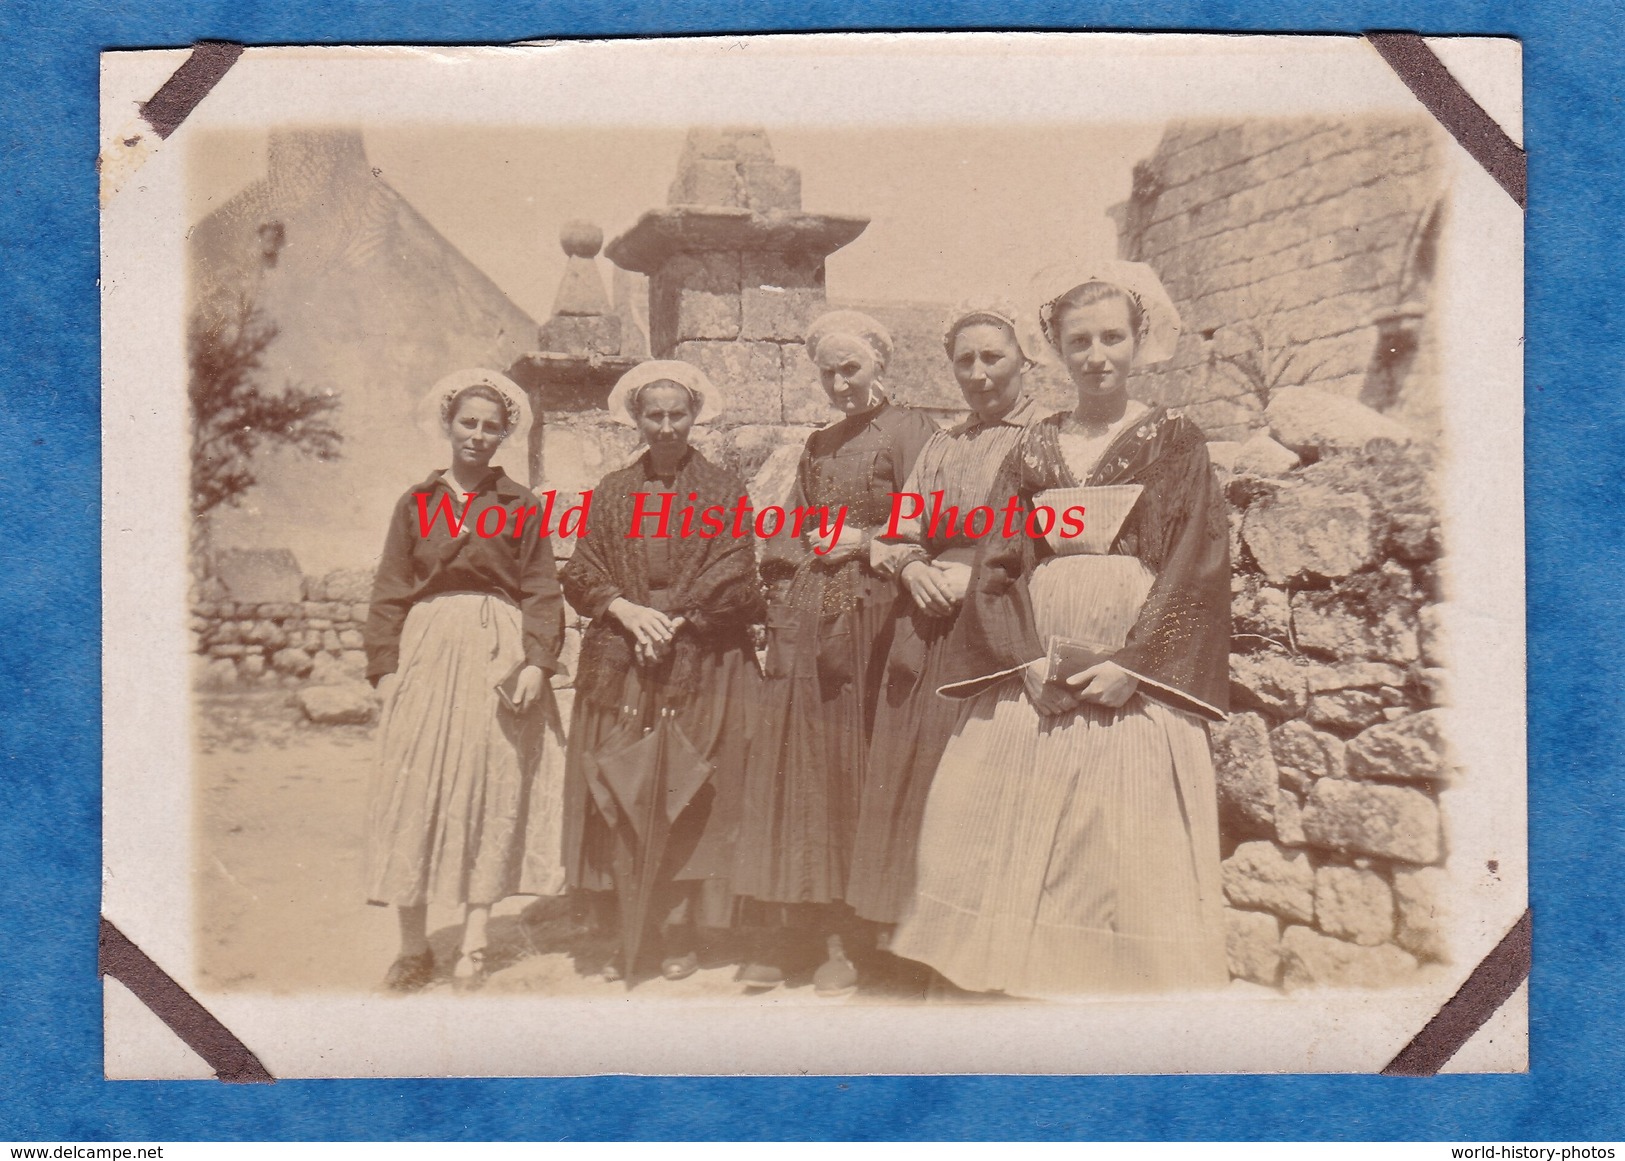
(650, 780)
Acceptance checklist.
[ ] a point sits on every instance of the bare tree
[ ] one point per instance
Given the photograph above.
(234, 415)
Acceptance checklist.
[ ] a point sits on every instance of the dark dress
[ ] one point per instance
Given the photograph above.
(826, 636)
(912, 722)
(709, 677)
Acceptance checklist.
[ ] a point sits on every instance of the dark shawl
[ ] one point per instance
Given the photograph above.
(716, 588)
(1179, 646)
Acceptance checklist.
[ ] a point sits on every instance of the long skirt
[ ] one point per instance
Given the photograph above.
(808, 752)
(466, 800)
(1074, 854)
(716, 719)
(911, 730)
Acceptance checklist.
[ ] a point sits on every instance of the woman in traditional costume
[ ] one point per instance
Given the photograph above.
(465, 803)
(932, 560)
(826, 641)
(1070, 842)
(670, 634)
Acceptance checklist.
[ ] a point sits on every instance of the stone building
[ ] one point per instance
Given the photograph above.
(1300, 253)
(372, 304)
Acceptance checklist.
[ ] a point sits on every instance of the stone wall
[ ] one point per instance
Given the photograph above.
(1332, 762)
(307, 633)
(1292, 248)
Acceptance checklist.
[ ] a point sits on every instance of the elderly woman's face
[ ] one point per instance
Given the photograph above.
(987, 363)
(1096, 342)
(665, 415)
(477, 428)
(849, 371)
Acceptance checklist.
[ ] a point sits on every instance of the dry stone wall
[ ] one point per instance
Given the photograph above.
(1331, 765)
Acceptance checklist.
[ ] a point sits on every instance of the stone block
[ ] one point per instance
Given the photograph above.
(748, 372)
(226, 649)
(782, 270)
(1289, 819)
(700, 314)
(351, 639)
(770, 187)
(1419, 899)
(804, 401)
(1309, 960)
(353, 664)
(1261, 875)
(264, 633)
(694, 295)
(580, 334)
(1262, 456)
(1269, 682)
(1393, 822)
(351, 703)
(1261, 610)
(1310, 532)
(1221, 453)
(1323, 622)
(1303, 754)
(360, 611)
(1410, 749)
(778, 314)
(707, 182)
(1313, 422)
(733, 143)
(1252, 946)
(1353, 675)
(1354, 904)
(215, 673)
(1347, 710)
(255, 576)
(295, 662)
(330, 641)
(1245, 767)
(352, 585)
(251, 666)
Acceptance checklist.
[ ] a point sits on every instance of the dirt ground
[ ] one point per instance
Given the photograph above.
(280, 809)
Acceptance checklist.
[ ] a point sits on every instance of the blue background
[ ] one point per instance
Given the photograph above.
(50, 1005)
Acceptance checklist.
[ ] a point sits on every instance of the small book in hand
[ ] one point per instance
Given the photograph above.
(508, 688)
(1069, 656)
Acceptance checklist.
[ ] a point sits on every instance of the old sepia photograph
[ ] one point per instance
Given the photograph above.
(670, 557)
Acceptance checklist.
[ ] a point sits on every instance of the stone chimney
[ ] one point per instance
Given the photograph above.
(736, 273)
